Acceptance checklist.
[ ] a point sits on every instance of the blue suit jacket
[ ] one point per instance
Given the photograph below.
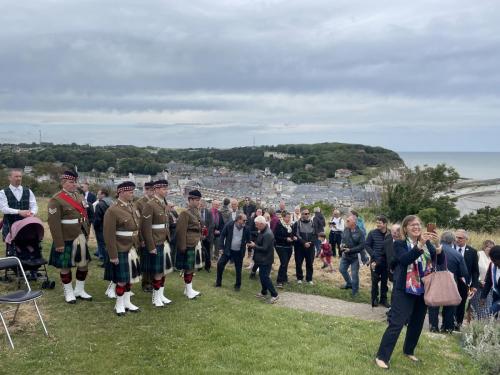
(226, 237)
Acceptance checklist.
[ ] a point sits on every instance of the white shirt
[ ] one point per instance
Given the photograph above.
(339, 224)
(461, 250)
(484, 263)
(18, 193)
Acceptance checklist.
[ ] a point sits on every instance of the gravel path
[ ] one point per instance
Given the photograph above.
(332, 306)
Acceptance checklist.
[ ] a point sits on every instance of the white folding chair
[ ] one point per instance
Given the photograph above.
(18, 297)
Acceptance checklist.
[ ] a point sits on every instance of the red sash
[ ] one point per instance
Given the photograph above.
(65, 197)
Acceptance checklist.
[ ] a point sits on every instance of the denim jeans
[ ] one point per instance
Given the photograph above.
(265, 280)
(345, 263)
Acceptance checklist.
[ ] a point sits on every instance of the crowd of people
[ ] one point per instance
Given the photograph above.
(143, 240)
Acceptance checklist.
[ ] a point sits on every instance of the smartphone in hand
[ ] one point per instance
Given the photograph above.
(431, 227)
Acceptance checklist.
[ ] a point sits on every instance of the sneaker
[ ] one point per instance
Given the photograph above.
(279, 285)
(299, 281)
(273, 300)
(260, 296)
(310, 282)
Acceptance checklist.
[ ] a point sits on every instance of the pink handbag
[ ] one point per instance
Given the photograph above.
(441, 289)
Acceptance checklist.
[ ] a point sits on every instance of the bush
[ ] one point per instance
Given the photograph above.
(481, 341)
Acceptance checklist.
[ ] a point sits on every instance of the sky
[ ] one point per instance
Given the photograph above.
(409, 76)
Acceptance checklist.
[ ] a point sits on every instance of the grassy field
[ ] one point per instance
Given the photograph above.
(222, 332)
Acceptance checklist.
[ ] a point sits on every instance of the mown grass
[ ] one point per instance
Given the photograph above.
(222, 332)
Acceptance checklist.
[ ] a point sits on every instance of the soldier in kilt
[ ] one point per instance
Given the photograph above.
(147, 277)
(188, 234)
(156, 234)
(121, 235)
(69, 226)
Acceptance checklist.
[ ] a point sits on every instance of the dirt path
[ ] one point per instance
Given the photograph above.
(332, 306)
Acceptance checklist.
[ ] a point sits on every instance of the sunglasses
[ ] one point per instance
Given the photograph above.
(305, 213)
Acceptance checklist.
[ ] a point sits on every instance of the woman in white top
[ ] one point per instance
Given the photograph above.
(482, 312)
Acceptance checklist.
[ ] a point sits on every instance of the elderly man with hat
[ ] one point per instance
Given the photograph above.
(155, 231)
(188, 238)
(143, 253)
(68, 223)
(121, 235)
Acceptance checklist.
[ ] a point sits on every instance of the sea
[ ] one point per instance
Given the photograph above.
(470, 165)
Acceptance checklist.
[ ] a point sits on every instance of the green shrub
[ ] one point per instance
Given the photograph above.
(481, 341)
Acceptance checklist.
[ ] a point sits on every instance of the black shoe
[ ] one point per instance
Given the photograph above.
(208, 270)
(434, 329)
(346, 287)
(147, 289)
(324, 266)
(253, 275)
(385, 304)
(217, 285)
(375, 303)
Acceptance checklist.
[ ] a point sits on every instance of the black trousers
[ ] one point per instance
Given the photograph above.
(463, 289)
(335, 239)
(406, 308)
(307, 254)
(205, 247)
(265, 280)
(379, 274)
(237, 257)
(284, 253)
(448, 314)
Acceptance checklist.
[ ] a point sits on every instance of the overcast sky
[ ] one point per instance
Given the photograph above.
(420, 75)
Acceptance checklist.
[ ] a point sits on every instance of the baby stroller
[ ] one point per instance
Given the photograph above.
(25, 242)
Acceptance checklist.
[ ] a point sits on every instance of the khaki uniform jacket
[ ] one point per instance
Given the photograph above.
(141, 202)
(155, 212)
(188, 230)
(59, 210)
(120, 217)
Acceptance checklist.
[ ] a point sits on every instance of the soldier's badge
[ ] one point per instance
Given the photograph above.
(52, 211)
(147, 217)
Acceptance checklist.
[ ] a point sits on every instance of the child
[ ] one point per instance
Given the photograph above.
(326, 252)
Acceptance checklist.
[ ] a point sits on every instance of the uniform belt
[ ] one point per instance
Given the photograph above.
(70, 221)
(159, 226)
(123, 233)
(194, 230)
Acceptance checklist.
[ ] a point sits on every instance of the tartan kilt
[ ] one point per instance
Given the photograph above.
(156, 261)
(144, 254)
(186, 260)
(127, 270)
(108, 268)
(75, 253)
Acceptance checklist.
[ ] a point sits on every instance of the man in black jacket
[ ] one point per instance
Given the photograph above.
(264, 258)
(374, 245)
(207, 233)
(249, 208)
(472, 262)
(304, 246)
(100, 209)
(232, 243)
(353, 242)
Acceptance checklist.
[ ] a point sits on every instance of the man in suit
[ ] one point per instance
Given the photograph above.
(218, 226)
(472, 262)
(456, 265)
(233, 240)
(207, 233)
(90, 198)
(389, 249)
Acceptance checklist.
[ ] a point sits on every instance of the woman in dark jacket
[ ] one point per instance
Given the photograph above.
(284, 246)
(414, 256)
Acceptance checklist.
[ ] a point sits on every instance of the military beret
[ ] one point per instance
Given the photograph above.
(160, 184)
(69, 175)
(125, 186)
(149, 185)
(194, 194)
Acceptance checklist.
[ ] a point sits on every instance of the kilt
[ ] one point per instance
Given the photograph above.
(156, 261)
(127, 270)
(144, 254)
(186, 260)
(75, 254)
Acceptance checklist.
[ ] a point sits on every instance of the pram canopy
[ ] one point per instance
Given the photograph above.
(31, 227)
